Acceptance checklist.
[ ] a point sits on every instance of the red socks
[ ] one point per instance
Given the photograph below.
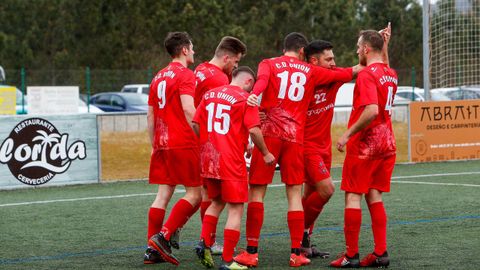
(230, 238)
(254, 223)
(203, 208)
(209, 229)
(313, 207)
(379, 226)
(295, 220)
(155, 221)
(353, 221)
(179, 215)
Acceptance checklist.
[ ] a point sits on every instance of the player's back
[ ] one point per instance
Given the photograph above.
(171, 127)
(224, 119)
(208, 76)
(376, 84)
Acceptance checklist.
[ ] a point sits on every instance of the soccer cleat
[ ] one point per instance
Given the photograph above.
(232, 266)
(152, 256)
(298, 260)
(162, 245)
(346, 262)
(373, 260)
(247, 259)
(204, 254)
(217, 249)
(175, 239)
(313, 252)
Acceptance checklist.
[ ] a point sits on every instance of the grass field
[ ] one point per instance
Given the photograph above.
(116, 165)
(434, 223)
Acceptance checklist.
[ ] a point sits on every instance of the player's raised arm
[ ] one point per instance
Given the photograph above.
(386, 34)
(261, 84)
(323, 76)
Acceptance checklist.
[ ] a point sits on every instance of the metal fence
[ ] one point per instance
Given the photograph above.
(105, 80)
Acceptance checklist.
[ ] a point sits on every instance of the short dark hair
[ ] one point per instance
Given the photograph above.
(245, 69)
(316, 47)
(373, 38)
(175, 41)
(294, 42)
(231, 45)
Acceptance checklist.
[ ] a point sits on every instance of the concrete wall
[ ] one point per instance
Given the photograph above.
(131, 122)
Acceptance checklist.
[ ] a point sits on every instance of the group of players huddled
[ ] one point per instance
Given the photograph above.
(200, 122)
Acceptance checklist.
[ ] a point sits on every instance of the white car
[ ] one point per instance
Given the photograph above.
(405, 94)
(136, 88)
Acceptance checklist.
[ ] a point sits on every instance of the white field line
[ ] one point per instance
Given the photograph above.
(275, 185)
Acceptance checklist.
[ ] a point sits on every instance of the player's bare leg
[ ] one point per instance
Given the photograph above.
(156, 215)
(314, 198)
(296, 221)
(379, 256)
(353, 222)
(255, 214)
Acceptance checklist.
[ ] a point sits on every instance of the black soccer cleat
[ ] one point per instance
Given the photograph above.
(373, 260)
(204, 254)
(175, 239)
(152, 256)
(310, 250)
(162, 245)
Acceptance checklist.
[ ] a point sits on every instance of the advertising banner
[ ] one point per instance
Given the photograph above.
(448, 130)
(48, 150)
(52, 99)
(8, 96)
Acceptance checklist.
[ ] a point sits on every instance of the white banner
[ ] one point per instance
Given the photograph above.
(52, 99)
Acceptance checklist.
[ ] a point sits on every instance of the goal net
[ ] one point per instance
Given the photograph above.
(454, 43)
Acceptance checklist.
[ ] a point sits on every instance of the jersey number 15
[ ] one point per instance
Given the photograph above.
(218, 118)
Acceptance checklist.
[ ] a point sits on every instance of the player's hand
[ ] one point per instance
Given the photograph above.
(249, 151)
(342, 141)
(269, 159)
(386, 33)
(262, 115)
(252, 100)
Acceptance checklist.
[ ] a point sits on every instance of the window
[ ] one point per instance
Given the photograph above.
(103, 100)
(129, 90)
(146, 90)
(117, 101)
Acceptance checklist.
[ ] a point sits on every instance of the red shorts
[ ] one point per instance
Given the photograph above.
(317, 167)
(228, 190)
(175, 167)
(361, 175)
(289, 156)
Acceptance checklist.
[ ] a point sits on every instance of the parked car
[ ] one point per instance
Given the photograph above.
(460, 92)
(406, 95)
(136, 88)
(120, 102)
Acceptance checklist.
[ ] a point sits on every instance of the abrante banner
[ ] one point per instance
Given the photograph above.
(48, 150)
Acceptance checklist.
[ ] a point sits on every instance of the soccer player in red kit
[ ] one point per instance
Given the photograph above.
(371, 150)
(224, 120)
(212, 74)
(318, 186)
(175, 147)
(287, 84)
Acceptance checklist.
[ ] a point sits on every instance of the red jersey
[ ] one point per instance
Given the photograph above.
(225, 118)
(171, 128)
(318, 137)
(376, 84)
(208, 76)
(288, 84)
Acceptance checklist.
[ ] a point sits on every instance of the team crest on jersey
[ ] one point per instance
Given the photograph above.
(35, 151)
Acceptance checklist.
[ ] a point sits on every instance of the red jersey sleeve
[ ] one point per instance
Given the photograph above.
(187, 84)
(251, 118)
(324, 76)
(263, 75)
(367, 90)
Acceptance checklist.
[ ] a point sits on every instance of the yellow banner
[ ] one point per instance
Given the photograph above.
(448, 130)
(8, 96)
